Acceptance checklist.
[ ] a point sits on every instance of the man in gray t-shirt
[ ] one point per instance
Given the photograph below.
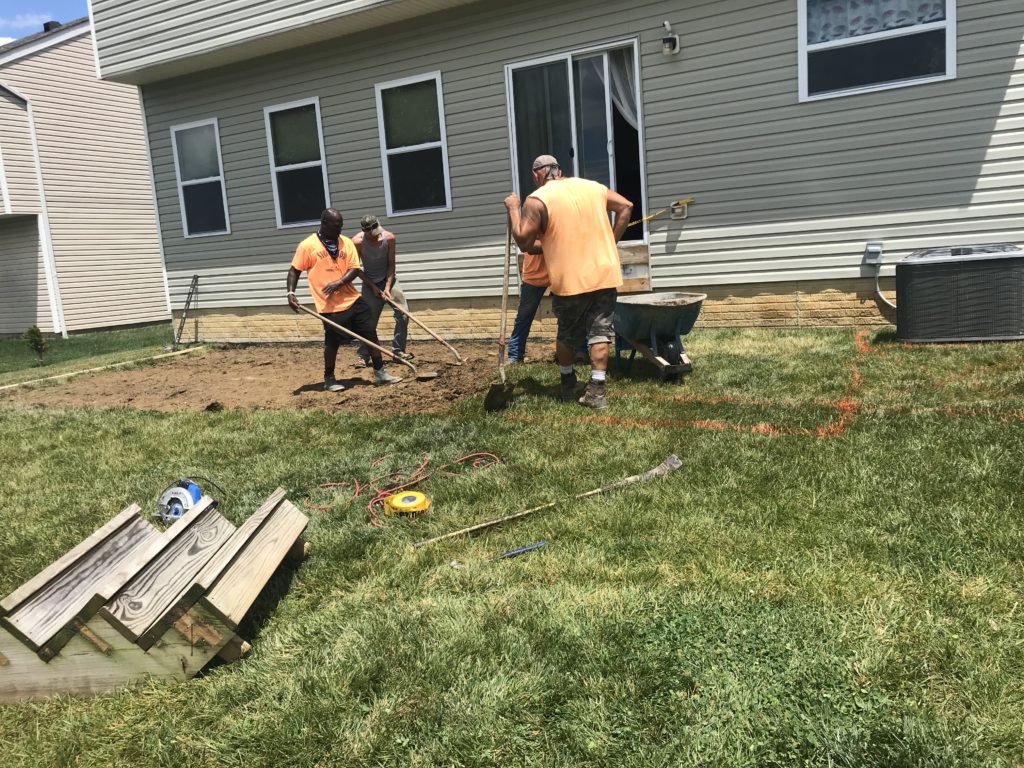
(376, 248)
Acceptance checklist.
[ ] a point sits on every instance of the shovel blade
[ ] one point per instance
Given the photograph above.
(498, 397)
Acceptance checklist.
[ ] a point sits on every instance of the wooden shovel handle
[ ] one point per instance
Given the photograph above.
(504, 298)
(423, 325)
(357, 337)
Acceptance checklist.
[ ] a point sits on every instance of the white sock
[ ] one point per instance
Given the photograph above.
(565, 370)
(597, 376)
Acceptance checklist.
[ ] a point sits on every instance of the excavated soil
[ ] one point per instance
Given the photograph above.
(274, 377)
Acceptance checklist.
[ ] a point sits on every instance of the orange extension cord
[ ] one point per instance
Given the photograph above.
(400, 479)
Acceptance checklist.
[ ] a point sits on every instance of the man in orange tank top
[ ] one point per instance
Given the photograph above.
(566, 219)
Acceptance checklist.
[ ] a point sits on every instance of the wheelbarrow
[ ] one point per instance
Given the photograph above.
(654, 324)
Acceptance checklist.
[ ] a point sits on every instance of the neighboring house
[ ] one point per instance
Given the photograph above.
(78, 239)
(803, 128)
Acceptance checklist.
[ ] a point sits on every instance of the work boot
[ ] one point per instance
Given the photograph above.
(332, 385)
(593, 397)
(567, 393)
(383, 377)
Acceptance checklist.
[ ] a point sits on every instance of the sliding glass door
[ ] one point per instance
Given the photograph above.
(581, 108)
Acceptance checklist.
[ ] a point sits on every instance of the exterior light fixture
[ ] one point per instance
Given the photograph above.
(669, 41)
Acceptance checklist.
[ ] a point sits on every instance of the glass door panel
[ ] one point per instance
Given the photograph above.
(592, 120)
(543, 118)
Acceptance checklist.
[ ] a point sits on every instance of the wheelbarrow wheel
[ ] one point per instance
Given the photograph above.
(672, 351)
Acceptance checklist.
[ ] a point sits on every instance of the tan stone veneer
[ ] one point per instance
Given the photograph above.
(849, 303)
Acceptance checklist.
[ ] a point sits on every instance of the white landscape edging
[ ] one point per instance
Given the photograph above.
(101, 368)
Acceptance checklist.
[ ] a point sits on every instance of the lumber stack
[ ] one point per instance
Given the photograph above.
(133, 602)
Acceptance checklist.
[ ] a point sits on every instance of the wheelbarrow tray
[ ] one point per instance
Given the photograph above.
(654, 324)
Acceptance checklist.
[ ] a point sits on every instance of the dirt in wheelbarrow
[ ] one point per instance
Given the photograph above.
(274, 377)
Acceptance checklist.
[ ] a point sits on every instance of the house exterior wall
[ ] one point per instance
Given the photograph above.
(24, 300)
(96, 186)
(19, 188)
(785, 191)
(141, 41)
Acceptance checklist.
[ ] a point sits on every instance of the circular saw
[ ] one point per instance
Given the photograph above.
(178, 499)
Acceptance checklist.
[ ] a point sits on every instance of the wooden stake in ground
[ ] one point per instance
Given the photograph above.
(670, 464)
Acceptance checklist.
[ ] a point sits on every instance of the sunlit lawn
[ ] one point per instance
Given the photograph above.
(834, 577)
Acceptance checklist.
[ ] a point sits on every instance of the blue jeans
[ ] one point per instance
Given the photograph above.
(377, 306)
(529, 302)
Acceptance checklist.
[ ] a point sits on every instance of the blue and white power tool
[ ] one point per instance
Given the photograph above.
(178, 499)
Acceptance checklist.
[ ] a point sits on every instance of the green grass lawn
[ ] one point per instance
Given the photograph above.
(834, 577)
(81, 350)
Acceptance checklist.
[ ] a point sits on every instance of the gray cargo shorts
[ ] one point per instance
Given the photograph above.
(586, 317)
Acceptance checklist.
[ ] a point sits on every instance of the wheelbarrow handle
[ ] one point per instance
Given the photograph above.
(395, 305)
(357, 337)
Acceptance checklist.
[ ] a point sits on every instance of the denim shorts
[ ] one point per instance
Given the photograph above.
(586, 317)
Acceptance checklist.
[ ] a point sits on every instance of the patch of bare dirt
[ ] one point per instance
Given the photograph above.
(274, 377)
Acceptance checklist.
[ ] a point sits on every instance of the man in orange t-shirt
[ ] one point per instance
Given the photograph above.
(532, 287)
(568, 219)
(331, 263)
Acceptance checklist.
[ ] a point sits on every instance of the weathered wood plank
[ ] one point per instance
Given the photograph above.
(226, 554)
(81, 670)
(636, 285)
(634, 254)
(238, 586)
(49, 614)
(159, 585)
(215, 566)
(68, 594)
(41, 579)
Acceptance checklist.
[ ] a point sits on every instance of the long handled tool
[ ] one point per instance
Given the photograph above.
(423, 325)
(499, 395)
(419, 375)
(668, 465)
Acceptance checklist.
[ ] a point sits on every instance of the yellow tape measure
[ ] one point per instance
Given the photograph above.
(406, 503)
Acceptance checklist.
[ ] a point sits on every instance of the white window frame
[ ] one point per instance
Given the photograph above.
(949, 25)
(182, 184)
(568, 56)
(385, 153)
(274, 168)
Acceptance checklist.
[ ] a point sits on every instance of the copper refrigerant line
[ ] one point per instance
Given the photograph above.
(387, 484)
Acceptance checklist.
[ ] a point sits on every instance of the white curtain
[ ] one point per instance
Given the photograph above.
(835, 19)
(623, 84)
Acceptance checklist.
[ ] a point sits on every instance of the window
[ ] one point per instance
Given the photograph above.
(852, 46)
(201, 192)
(413, 147)
(583, 107)
(297, 168)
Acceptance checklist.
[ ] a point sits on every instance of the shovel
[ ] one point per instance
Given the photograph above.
(423, 325)
(419, 375)
(500, 395)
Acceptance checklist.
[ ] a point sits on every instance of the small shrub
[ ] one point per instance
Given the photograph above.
(34, 338)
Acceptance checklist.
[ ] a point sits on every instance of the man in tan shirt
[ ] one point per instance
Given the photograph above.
(568, 219)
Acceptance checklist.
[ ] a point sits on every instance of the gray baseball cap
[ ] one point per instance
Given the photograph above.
(544, 161)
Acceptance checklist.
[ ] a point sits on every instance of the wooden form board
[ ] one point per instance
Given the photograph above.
(636, 268)
(73, 591)
(238, 586)
(129, 515)
(147, 629)
(142, 602)
(97, 659)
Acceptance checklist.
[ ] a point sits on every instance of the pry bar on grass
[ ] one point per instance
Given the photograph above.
(521, 551)
(670, 464)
